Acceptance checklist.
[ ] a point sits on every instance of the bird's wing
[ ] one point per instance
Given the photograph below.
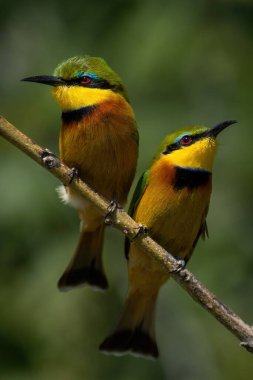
(203, 232)
(203, 229)
(138, 192)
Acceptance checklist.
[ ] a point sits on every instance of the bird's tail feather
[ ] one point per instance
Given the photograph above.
(86, 267)
(135, 332)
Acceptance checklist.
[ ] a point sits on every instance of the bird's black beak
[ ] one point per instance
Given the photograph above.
(46, 79)
(214, 131)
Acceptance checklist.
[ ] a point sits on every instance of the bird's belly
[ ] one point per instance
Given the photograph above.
(105, 158)
(177, 219)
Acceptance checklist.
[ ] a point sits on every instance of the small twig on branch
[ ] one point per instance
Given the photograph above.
(122, 221)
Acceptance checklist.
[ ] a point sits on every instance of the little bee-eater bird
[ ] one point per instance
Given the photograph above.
(171, 199)
(99, 138)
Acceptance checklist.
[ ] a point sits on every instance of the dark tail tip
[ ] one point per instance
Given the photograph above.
(80, 277)
(135, 342)
(117, 343)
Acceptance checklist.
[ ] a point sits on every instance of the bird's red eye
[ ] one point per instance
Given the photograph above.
(85, 80)
(186, 140)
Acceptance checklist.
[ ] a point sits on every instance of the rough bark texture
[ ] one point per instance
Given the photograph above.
(122, 221)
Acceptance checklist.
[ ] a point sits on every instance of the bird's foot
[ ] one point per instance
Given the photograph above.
(180, 265)
(113, 206)
(49, 159)
(73, 174)
(141, 231)
(248, 345)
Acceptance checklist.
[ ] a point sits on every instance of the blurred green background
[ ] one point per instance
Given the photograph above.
(183, 63)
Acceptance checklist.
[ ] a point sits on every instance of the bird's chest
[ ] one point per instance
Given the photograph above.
(174, 211)
(82, 142)
(100, 148)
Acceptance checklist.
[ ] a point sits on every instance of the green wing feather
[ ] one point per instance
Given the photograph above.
(138, 192)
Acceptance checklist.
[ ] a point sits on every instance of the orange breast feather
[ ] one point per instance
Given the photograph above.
(103, 147)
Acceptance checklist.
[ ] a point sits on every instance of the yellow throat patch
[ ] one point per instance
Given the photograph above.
(74, 97)
(198, 155)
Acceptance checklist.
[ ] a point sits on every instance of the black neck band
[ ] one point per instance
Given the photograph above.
(76, 115)
(190, 178)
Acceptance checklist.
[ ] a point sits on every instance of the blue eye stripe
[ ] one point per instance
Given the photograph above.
(179, 137)
(93, 76)
(80, 74)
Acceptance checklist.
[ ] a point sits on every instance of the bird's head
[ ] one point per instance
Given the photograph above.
(192, 147)
(82, 81)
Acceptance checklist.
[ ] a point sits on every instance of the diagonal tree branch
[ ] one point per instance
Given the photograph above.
(122, 221)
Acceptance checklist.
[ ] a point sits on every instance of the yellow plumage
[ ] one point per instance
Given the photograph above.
(171, 200)
(74, 97)
(200, 155)
(104, 149)
(99, 138)
(101, 146)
